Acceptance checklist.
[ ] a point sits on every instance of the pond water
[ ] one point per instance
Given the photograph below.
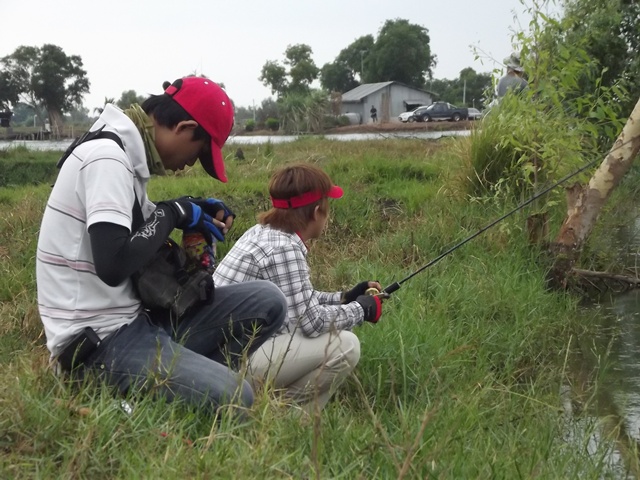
(261, 139)
(603, 396)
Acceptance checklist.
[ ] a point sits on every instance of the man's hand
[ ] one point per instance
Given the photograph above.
(222, 214)
(191, 217)
(349, 296)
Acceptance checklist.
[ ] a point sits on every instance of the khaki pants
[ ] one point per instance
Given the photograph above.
(307, 369)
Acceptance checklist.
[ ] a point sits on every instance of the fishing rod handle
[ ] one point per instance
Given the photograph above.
(391, 288)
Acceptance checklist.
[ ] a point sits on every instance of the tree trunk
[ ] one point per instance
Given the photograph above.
(585, 202)
(56, 119)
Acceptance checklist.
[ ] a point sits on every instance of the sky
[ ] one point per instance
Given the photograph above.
(138, 44)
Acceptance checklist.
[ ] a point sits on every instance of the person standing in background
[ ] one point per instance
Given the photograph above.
(513, 80)
(374, 114)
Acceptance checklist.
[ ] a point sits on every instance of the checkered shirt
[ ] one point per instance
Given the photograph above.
(264, 253)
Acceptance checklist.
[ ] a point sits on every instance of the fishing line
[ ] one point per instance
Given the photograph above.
(396, 285)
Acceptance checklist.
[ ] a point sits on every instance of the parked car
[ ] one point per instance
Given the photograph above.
(405, 117)
(474, 114)
(441, 111)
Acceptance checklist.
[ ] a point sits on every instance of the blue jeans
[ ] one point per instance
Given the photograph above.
(188, 360)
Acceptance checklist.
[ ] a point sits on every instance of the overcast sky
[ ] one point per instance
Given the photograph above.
(137, 44)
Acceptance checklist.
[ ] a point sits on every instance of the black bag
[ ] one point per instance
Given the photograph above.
(169, 281)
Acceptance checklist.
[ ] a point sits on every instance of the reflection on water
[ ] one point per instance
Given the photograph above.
(260, 139)
(609, 414)
(602, 402)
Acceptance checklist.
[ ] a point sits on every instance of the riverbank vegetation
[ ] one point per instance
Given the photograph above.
(463, 375)
(460, 378)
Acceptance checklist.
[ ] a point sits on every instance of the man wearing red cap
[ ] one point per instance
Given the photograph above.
(315, 351)
(99, 228)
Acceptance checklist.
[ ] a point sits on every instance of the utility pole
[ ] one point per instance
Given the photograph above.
(362, 52)
(464, 92)
(254, 109)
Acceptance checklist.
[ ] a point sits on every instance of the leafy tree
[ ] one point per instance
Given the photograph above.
(23, 114)
(268, 109)
(566, 115)
(401, 53)
(337, 77)
(128, 98)
(78, 116)
(9, 92)
(356, 55)
(301, 72)
(274, 76)
(340, 75)
(242, 114)
(609, 32)
(45, 77)
(469, 89)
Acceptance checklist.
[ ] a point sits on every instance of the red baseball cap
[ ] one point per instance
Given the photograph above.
(209, 105)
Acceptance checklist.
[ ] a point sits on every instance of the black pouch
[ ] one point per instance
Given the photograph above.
(169, 282)
(78, 349)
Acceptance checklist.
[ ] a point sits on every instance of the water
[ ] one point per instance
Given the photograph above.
(602, 398)
(62, 145)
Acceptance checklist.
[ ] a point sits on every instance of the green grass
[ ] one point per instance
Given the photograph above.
(459, 379)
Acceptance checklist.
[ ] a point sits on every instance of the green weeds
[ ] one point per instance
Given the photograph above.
(459, 379)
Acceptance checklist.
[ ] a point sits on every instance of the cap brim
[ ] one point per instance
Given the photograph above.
(335, 192)
(213, 162)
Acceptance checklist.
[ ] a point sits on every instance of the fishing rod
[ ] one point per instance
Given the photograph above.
(387, 291)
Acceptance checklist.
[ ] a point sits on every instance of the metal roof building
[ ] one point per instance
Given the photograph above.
(389, 98)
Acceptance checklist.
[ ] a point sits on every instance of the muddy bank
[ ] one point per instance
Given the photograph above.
(380, 128)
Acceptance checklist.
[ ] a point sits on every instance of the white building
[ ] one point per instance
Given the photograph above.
(389, 98)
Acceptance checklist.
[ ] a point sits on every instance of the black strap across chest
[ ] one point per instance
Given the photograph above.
(138, 217)
(86, 137)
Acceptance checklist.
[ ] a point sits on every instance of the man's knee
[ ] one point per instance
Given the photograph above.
(274, 301)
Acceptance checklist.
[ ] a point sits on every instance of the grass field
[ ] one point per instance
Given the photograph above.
(459, 379)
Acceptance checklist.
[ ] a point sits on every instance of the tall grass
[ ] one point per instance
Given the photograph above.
(459, 379)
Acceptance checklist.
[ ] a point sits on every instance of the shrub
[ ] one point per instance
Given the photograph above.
(273, 124)
(250, 125)
(547, 131)
(343, 121)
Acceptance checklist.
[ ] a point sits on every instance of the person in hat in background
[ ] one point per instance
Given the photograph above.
(88, 249)
(513, 80)
(315, 350)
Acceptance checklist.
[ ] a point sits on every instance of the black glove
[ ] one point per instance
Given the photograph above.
(212, 206)
(349, 296)
(372, 306)
(191, 217)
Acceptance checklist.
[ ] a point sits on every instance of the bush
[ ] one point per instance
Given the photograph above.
(532, 139)
(19, 166)
(273, 124)
(343, 121)
(250, 125)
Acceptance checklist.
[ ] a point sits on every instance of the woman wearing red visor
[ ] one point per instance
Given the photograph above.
(315, 350)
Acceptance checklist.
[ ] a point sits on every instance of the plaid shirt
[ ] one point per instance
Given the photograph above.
(264, 253)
